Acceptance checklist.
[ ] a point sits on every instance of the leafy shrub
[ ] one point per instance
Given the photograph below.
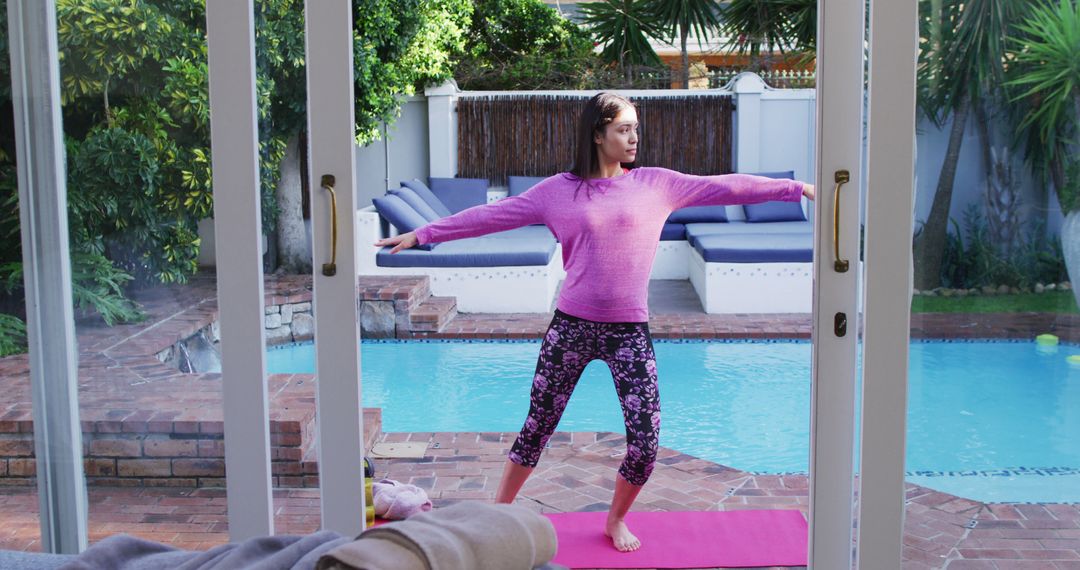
(972, 259)
(12, 335)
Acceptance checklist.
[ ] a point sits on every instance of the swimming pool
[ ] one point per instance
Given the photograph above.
(991, 421)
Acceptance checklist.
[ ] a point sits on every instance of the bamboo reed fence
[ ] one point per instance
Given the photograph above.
(533, 134)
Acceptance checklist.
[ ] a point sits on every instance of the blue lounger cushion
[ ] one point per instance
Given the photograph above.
(673, 232)
(429, 197)
(413, 199)
(699, 214)
(519, 184)
(739, 228)
(459, 193)
(401, 215)
(532, 232)
(755, 248)
(774, 211)
(714, 214)
(483, 251)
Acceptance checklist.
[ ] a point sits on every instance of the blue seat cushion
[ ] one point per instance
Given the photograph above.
(698, 214)
(755, 248)
(413, 199)
(672, 232)
(525, 232)
(401, 215)
(777, 174)
(483, 251)
(739, 227)
(774, 211)
(429, 197)
(459, 193)
(519, 184)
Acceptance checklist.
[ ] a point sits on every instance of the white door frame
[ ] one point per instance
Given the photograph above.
(234, 136)
(332, 136)
(50, 321)
(894, 38)
(234, 145)
(832, 395)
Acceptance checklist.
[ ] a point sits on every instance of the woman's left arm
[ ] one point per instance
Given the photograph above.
(686, 190)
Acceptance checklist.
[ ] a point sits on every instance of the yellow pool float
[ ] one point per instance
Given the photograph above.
(1046, 339)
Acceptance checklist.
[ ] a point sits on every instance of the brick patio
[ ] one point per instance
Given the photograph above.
(149, 428)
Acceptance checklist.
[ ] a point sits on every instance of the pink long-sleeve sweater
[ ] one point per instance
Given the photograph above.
(609, 234)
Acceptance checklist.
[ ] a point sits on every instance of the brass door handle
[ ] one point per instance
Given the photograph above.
(330, 269)
(840, 265)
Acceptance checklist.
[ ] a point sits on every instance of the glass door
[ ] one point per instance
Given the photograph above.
(323, 83)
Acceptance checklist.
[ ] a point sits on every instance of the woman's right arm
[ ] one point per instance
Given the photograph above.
(506, 214)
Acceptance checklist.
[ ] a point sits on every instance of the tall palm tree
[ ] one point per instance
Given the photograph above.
(961, 69)
(782, 25)
(1044, 84)
(624, 27)
(682, 16)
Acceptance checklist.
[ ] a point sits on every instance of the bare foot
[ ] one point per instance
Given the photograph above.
(620, 536)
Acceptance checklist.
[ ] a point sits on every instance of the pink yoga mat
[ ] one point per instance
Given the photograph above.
(694, 539)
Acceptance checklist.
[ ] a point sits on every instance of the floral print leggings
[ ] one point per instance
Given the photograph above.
(569, 345)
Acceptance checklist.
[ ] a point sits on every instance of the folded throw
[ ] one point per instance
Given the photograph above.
(469, 535)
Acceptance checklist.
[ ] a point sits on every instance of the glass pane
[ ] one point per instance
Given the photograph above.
(18, 501)
(992, 461)
(136, 121)
(735, 382)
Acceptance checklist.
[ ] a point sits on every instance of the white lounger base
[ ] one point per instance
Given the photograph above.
(672, 260)
(726, 288)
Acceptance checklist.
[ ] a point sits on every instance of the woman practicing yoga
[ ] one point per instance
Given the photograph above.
(608, 218)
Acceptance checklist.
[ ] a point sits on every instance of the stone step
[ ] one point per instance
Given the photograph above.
(387, 301)
(406, 291)
(433, 315)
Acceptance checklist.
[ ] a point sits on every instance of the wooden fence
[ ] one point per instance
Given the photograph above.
(533, 135)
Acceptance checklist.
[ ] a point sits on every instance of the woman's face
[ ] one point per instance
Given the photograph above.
(619, 139)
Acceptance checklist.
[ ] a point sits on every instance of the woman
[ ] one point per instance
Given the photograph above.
(608, 219)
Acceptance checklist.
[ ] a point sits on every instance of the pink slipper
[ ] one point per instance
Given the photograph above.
(395, 500)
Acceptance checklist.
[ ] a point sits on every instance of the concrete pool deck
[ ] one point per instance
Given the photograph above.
(154, 450)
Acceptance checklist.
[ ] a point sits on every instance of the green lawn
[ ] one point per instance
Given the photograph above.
(1050, 302)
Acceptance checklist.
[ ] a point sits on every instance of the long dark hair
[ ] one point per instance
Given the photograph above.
(598, 113)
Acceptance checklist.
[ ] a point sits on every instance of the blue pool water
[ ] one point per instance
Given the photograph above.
(991, 421)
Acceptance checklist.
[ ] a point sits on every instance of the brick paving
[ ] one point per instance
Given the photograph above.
(576, 473)
(149, 425)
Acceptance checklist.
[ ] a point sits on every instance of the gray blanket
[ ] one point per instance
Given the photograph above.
(124, 552)
(467, 535)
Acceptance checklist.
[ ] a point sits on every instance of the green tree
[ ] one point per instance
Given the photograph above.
(961, 69)
(679, 17)
(1044, 85)
(399, 46)
(524, 44)
(776, 25)
(624, 27)
(136, 118)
